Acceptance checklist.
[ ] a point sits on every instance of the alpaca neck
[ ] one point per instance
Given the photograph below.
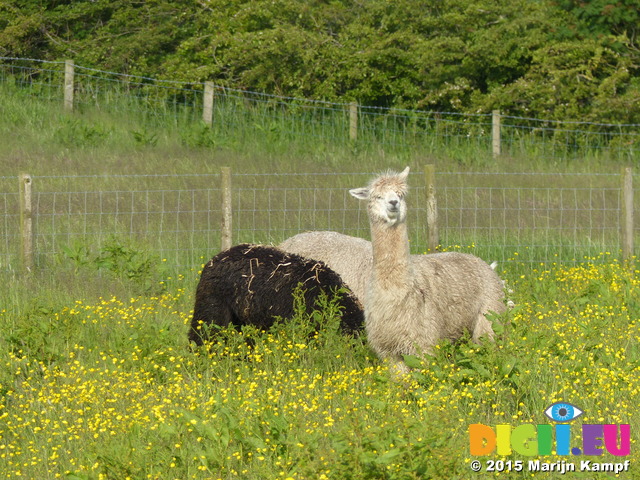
(390, 255)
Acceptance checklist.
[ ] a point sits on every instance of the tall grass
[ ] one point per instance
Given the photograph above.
(143, 128)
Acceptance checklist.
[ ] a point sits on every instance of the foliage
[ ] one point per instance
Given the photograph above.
(553, 58)
(127, 36)
(125, 263)
(604, 17)
(613, 29)
(583, 80)
(76, 133)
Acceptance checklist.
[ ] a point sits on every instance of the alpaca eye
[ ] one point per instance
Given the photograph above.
(563, 412)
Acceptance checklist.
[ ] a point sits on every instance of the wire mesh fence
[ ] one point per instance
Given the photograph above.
(531, 217)
(536, 217)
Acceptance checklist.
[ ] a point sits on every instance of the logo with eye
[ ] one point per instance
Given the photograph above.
(563, 412)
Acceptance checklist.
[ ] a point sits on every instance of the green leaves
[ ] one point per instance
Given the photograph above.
(560, 59)
(124, 262)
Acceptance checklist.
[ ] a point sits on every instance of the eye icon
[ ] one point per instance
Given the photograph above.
(563, 412)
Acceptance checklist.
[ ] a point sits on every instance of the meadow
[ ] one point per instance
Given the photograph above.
(108, 388)
(97, 380)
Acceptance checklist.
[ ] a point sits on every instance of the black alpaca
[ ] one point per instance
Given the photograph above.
(251, 284)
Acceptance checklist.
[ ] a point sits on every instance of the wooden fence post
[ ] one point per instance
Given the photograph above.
(26, 222)
(207, 104)
(495, 134)
(225, 230)
(353, 121)
(68, 85)
(433, 239)
(627, 214)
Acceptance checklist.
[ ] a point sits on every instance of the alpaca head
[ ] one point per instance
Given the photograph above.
(386, 197)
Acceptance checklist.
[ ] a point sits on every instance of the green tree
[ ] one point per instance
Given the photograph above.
(550, 58)
(425, 53)
(126, 36)
(22, 30)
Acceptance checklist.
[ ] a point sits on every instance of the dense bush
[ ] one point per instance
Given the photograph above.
(560, 59)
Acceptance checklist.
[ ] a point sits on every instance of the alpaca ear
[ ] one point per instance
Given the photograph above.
(360, 193)
(404, 174)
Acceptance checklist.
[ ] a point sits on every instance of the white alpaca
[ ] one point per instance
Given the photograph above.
(414, 301)
(349, 257)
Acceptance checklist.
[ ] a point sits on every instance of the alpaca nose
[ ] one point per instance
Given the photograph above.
(394, 203)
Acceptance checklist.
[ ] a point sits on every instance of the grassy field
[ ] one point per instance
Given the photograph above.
(108, 388)
(97, 380)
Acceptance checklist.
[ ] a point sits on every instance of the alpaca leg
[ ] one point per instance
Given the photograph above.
(482, 327)
(397, 367)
